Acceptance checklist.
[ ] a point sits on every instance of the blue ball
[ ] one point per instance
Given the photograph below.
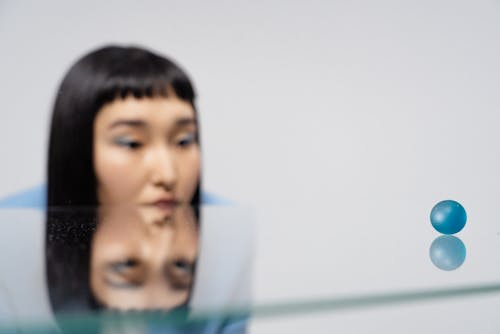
(447, 252)
(448, 217)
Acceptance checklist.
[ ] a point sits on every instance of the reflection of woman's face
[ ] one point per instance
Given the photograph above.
(140, 260)
(146, 152)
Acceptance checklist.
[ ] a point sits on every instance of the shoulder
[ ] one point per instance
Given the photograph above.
(35, 197)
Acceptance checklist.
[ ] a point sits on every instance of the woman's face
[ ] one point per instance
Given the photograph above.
(146, 152)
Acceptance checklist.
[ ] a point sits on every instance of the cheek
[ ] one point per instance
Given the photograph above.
(118, 176)
(190, 170)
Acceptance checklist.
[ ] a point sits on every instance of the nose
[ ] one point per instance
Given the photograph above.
(163, 169)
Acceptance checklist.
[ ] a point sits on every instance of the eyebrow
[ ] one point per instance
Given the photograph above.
(184, 121)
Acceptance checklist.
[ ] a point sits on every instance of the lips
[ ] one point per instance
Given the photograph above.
(165, 205)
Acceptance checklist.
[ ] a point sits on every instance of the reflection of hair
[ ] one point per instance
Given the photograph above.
(68, 241)
(96, 79)
(68, 237)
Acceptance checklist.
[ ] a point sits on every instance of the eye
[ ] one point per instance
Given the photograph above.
(123, 266)
(186, 140)
(183, 266)
(128, 143)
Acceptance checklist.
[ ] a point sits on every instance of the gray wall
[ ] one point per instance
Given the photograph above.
(299, 102)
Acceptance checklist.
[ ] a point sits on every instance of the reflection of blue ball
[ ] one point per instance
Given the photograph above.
(447, 252)
(448, 217)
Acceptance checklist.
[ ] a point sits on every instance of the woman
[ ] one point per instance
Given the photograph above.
(124, 131)
(124, 135)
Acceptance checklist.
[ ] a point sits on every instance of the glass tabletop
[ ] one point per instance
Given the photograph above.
(354, 266)
(370, 265)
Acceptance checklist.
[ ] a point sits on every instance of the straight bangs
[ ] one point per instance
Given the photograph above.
(140, 74)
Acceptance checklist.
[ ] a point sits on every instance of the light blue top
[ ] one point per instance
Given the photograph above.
(35, 198)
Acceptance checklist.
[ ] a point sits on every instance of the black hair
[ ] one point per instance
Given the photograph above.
(98, 78)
